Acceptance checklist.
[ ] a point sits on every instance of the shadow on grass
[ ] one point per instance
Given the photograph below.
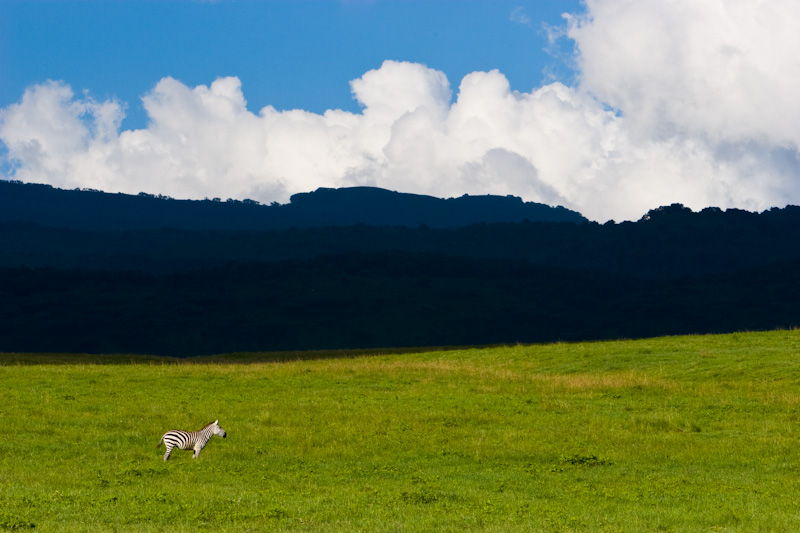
(244, 358)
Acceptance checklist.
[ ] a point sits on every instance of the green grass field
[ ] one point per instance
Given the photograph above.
(671, 434)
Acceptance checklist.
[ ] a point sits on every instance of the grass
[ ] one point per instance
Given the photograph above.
(672, 434)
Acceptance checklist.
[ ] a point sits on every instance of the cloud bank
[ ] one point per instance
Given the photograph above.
(686, 101)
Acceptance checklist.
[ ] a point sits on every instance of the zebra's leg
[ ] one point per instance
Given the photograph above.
(169, 451)
(197, 449)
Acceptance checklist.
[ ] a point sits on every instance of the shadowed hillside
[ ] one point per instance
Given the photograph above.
(184, 291)
(668, 242)
(98, 211)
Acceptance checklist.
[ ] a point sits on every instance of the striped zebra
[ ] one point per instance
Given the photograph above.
(188, 440)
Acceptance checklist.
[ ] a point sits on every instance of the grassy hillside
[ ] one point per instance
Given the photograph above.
(670, 434)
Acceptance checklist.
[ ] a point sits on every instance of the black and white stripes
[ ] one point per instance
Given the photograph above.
(188, 440)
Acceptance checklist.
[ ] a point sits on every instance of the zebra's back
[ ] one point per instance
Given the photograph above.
(183, 440)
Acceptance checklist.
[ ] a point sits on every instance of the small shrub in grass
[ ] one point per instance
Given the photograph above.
(584, 460)
(14, 523)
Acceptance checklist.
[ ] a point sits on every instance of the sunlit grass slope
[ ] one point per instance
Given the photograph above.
(671, 434)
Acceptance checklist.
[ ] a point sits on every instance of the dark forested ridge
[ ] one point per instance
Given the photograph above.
(98, 211)
(668, 242)
(181, 291)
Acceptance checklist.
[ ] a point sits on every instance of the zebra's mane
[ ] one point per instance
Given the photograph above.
(204, 427)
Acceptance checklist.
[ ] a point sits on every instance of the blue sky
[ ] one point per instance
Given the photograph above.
(616, 108)
(288, 54)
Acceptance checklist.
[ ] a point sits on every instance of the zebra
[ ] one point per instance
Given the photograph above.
(187, 440)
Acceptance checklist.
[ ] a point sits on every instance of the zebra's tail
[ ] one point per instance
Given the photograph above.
(160, 442)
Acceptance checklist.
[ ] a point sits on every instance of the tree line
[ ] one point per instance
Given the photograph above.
(175, 291)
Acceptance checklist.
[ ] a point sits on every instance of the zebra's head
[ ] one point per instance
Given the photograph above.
(218, 430)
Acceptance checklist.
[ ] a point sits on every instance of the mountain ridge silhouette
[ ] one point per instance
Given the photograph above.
(88, 209)
(113, 284)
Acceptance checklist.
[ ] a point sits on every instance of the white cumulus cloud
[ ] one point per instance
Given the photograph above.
(690, 101)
